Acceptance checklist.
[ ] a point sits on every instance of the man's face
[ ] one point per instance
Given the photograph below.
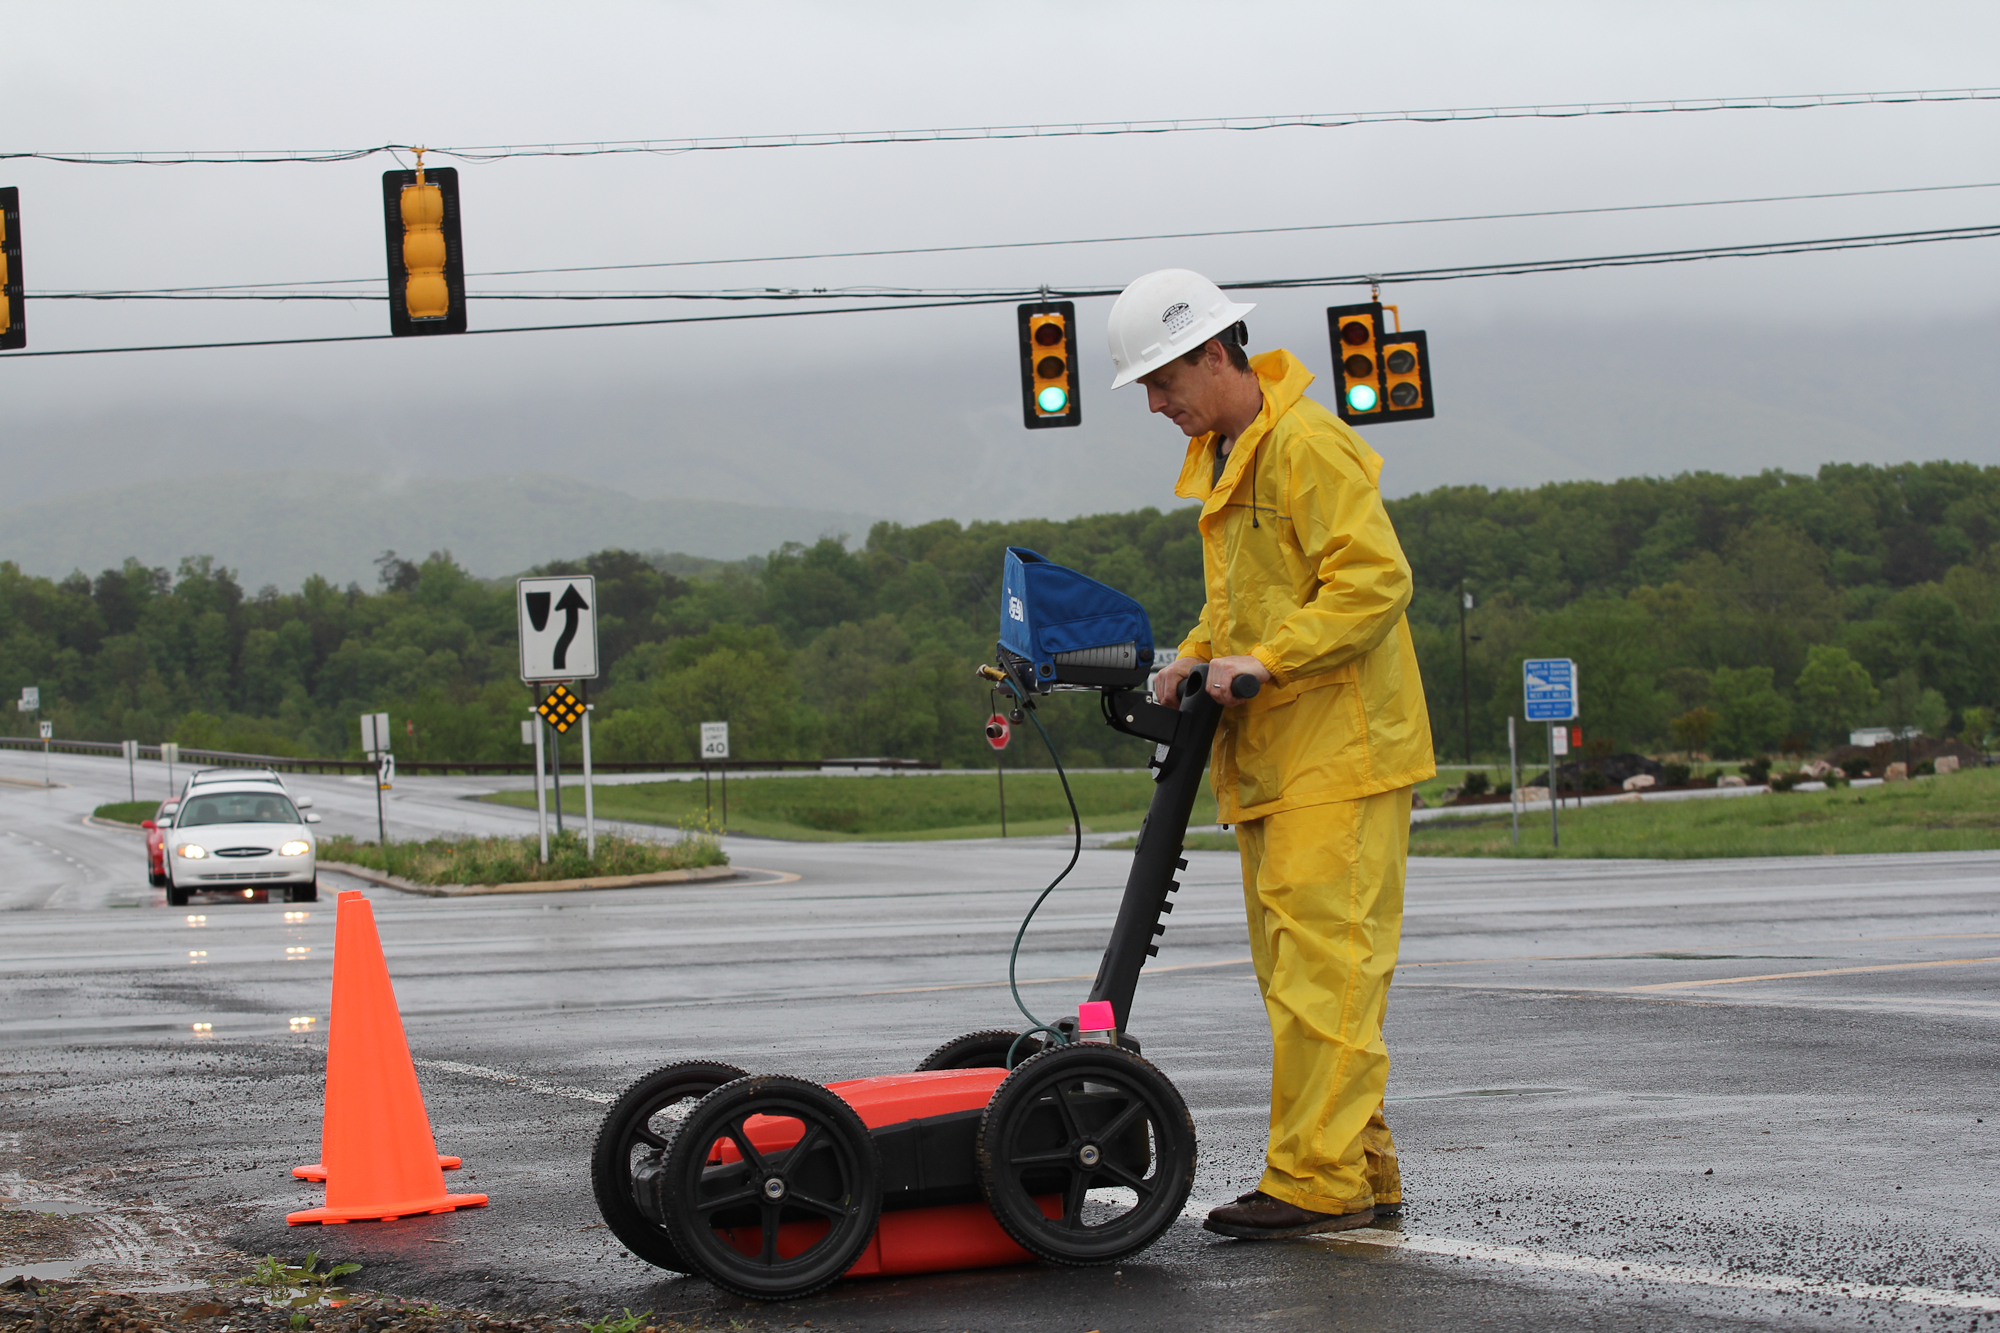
(1193, 397)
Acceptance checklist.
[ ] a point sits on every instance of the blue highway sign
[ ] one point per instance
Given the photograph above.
(1549, 684)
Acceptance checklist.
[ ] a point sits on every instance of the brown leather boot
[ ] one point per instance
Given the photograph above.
(1258, 1216)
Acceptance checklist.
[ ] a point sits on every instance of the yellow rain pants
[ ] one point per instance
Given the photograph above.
(1323, 887)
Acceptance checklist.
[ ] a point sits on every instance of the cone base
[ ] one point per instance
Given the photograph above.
(444, 1203)
(317, 1172)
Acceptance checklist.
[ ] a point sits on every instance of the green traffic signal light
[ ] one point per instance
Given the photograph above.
(1052, 399)
(1361, 398)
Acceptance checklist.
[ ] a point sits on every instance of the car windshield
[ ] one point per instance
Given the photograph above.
(238, 807)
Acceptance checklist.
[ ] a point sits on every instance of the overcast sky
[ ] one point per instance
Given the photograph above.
(1733, 365)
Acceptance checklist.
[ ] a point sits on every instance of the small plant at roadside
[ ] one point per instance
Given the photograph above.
(1675, 775)
(1757, 771)
(1855, 766)
(1594, 780)
(630, 1323)
(299, 1286)
(1475, 784)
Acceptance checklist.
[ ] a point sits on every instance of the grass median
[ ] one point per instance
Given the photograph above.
(517, 860)
(127, 812)
(1957, 812)
(828, 808)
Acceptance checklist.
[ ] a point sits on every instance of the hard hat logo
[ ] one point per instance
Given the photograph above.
(1191, 310)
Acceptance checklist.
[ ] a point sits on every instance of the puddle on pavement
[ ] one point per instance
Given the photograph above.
(61, 1207)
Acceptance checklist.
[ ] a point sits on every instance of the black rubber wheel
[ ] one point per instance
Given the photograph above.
(825, 1190)
(635, 1135)
(156, 879)
(305, 893)
(176, 897)
(1099, 1128)
(982, 1050)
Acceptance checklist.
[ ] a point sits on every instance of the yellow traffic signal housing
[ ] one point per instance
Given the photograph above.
(1357, 360)
(1378, 375)
(1048, 365)
(426, 256)
(13, 309)
(1406, 376)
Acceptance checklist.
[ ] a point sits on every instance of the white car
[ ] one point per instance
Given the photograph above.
(239, 837)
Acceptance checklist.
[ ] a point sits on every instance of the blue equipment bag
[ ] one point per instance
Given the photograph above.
(1058, 627)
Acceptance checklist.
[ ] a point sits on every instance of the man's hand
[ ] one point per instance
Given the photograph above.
(1223, 670)
(1167, 684)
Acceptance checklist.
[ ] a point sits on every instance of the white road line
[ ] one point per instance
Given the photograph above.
(519, 1081)
(1776, 1283)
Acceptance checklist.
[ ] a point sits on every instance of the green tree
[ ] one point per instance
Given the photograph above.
(1907, 702)
(1833, 691)
(1691, 730)
(1752, 714)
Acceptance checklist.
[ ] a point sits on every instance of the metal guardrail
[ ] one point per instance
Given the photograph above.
(296, 764)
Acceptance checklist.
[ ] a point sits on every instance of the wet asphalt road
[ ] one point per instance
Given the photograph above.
(1725, 1095)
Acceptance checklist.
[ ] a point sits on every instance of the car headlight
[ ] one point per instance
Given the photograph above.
(295, 849)
(191, 852)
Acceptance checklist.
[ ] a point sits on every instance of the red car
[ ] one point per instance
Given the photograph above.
(156, 843)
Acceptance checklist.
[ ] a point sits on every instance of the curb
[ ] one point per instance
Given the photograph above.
(376, 877)
(94, 821)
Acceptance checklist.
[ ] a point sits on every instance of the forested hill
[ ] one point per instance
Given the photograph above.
(1736, 614)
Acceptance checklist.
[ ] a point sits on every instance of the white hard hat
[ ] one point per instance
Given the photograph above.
(1163, 315)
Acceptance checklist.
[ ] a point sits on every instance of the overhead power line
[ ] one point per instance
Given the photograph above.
(1447, 273)
(292, 290)
(1072, 130)
(907, 298)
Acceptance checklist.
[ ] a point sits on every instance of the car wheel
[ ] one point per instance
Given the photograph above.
(156, 879)
(306, 893)
(176, 897)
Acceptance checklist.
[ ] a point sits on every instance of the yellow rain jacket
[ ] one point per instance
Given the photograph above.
(1306, 575)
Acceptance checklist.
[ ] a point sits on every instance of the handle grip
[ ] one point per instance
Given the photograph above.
(1241, 685)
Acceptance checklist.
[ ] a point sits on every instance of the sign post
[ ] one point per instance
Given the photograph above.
(131, 749)
(375, 744)
(589, 807)
(998, 733)
(715, 745)
(1548, 686)
(1514, 779)
(558, 636)
(170, 751)
(48, 733)
(541, 793)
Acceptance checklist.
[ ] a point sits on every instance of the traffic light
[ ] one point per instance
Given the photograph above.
(1357, 360)
(13, 309)
(1379, 376)
(1406, 376)
(1048, 365)
(426, 259)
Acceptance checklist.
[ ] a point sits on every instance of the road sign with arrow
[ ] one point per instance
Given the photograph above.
(558, 628)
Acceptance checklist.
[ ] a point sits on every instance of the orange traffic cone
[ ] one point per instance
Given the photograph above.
(317, 1170)
(379, 1159)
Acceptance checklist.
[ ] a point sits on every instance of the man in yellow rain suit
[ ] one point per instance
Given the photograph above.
(1306, 588)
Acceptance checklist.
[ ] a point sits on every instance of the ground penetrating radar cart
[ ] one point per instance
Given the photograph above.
(1001, 1146)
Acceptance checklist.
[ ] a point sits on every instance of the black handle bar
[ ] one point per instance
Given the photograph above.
(1242, 685)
